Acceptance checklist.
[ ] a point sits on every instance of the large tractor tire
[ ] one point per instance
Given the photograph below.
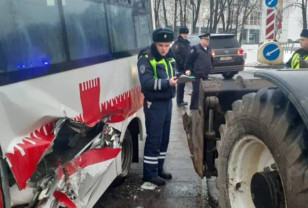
(263, 154)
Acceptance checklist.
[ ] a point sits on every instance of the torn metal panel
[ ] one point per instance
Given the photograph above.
(78, 180)
(24, 152)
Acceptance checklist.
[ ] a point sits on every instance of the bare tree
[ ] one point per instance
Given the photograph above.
(227, 15)
(195, 13)
(217, 9)
(156, 12)
(183, 12)
(249, 6)
(175, 15)
(165, 13)
(302, 4)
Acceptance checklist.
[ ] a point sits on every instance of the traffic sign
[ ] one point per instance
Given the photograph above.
(271, 3)
(271, 52)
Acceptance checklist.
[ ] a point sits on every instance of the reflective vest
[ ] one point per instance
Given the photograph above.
(154, 63)
(296, 59)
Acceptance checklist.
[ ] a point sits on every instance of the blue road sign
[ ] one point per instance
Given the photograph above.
(271, 52)
(271, 3)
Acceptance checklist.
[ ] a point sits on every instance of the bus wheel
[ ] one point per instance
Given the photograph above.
(126, 155)
(263, 158)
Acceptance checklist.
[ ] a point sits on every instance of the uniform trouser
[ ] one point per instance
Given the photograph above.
(180, 93)
(157, 121)
(195, 93)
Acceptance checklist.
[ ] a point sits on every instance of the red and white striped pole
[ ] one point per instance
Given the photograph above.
(273, 20)
(270, 24)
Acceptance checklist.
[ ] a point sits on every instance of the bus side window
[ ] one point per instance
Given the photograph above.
(30, 35)
(86, 29)
(128, 26)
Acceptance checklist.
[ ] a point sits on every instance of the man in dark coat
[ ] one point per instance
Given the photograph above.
(181, 48)
(156, 68)
(199, 64)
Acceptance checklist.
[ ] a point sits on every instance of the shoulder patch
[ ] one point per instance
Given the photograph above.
(142, 69)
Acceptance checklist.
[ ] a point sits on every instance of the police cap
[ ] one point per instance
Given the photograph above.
(184, 30)
(304, 33)
(204, 35)
(163, 35)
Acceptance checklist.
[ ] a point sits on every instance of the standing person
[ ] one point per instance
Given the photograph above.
(300, 57)
(199, 64)
(156, 68)
(181, 48)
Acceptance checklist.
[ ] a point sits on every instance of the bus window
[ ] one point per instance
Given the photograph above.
(142, 21)
(86, 29)
(30, 35)
(121, 28)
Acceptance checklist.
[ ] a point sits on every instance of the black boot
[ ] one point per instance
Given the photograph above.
(157, 181)
(165, 175)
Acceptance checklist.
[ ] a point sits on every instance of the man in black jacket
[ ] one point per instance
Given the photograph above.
(180, 49)
(199, 64)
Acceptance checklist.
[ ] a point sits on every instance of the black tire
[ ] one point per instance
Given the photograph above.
(127, 157)
(270, 117)
(229, 75)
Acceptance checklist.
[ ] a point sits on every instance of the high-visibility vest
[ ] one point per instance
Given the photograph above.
(295, 63)
(154, 63)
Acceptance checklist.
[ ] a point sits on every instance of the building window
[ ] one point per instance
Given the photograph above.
(254, 18)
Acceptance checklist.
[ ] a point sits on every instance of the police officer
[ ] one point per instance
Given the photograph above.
(156, 68)
(180, 48)
(300, 57)
(199, 64)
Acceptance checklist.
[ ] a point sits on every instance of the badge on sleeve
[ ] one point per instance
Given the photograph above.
(142, 69)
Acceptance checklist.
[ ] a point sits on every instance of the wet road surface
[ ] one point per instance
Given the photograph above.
(186, 189)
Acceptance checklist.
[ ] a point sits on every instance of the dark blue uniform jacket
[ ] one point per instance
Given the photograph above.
(156, 88)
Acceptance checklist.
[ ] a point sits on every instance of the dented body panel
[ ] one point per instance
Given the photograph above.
(32, 111)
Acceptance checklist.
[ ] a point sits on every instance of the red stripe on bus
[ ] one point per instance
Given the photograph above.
(91, 157)
(64, 199)
(34, 147)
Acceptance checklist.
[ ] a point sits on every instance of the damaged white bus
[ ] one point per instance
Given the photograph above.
(70, 99)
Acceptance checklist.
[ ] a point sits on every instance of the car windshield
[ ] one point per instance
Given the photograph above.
(219, 42)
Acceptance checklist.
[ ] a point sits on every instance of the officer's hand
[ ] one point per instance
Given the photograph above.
(187, 73)
(173, 81)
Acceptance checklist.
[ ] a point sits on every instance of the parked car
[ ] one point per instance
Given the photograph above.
(227, 53)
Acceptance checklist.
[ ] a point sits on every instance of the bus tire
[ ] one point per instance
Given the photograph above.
(126, 157)
(265, 124)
